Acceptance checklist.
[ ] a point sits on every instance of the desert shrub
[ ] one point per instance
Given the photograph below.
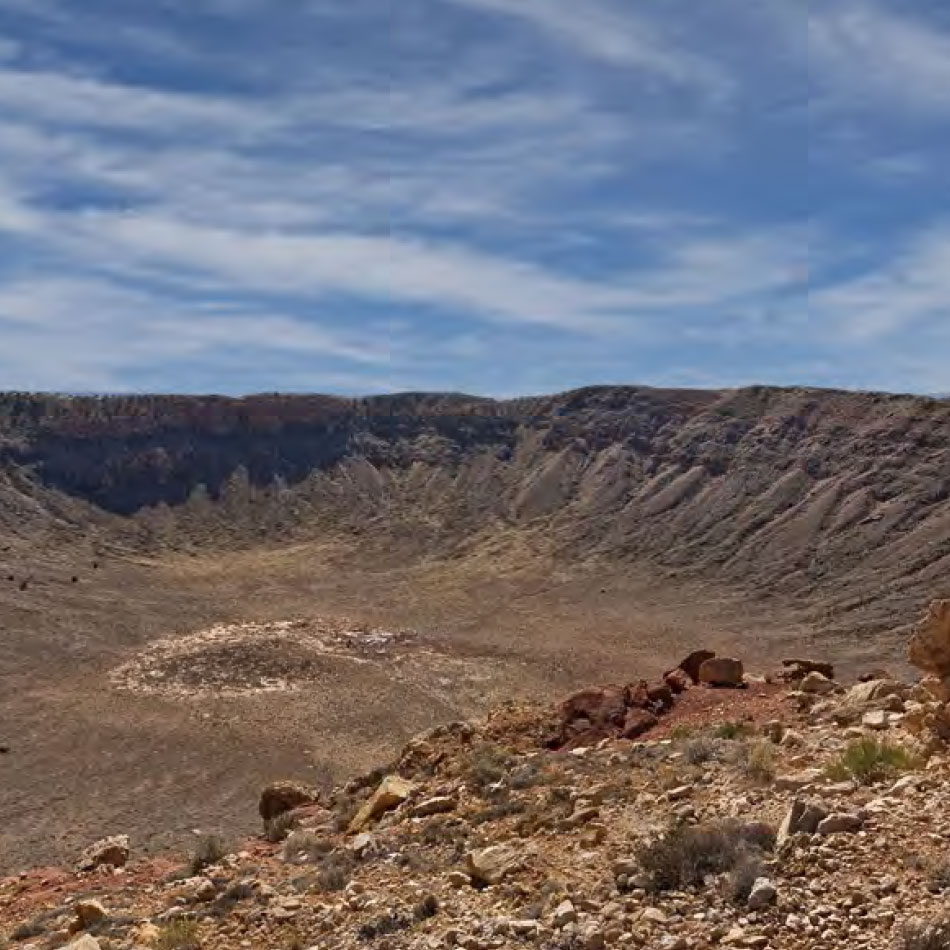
(746, 870)
(178, 935)
(335, 871)
(687, 853)
(278, 829)
(699, 750)
(938, 875)
(732, 730)
(304, 846)
(871, 760)
(925, 934)
(680, 732)
(756, 759)
(209, 850)
(488, 766)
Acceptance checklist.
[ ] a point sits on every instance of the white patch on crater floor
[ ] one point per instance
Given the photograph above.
(286, 656)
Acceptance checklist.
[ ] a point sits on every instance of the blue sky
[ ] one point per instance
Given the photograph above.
(494, 196)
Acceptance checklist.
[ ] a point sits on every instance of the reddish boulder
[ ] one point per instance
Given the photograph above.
(660, 697)
(677, 680)
(722, 671)
(638, 695)
(690, 666)
(638, 722)
(602, 708)
(280, 797)
(799, 669)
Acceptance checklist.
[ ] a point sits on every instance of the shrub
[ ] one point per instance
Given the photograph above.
(306, 847)
(178, 935)
(279, 828)
(757, 760)
(687, 853)
(732, 730)
(209, 850)
(926, 935)
(871, 760)
(699, 750)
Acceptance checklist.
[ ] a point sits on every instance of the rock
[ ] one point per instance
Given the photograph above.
(391, 793)
(491, 865)
(660, 697)
(816, 684)
(690, 666)
(677, 680)
(802, 817)
(87, 913)
(799, 669)
(564, 914)
(721, 671)
(840, 823)
(109, 852)
(637, 722)
(85, 942)
(930, 644)
(281, 797)
(877, 719)
(599, 709)
(870, 691)
(763, 894)
(438, 805)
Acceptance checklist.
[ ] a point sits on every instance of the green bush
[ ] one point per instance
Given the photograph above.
(871, 760)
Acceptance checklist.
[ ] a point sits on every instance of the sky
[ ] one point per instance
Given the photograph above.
(492, 196)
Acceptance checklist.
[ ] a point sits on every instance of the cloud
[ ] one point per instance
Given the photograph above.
(601, 31)
(869, 56)
(905, 296)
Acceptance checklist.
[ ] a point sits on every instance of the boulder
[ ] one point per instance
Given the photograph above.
(598, 707)
(85, 942)
(721, 671)
(763, 894)
(817, 684)
(930, 644)
(870, 691)
(281, 797)
(391, 793)
(637, 722)
(799, 669)
(677, 680)
(491, 865)
(802, 818)
(660, 697)
(109, 852)
(841, 823)
(690, 666)
(88, 913)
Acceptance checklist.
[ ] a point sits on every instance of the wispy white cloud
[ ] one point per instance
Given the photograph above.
(862, 53)
(616, 35)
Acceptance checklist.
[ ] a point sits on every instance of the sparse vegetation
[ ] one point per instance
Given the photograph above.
(209, 850)
(926, 934)
(756, 758)
(687, 853)
(869, 760)
(179, 934)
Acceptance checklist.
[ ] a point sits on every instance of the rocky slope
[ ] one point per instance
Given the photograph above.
(784, 812)
(836, 502)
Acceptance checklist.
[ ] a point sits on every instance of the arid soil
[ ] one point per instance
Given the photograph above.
(501, 550)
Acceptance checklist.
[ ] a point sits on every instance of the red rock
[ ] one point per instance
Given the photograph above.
(677, 680)
(722, 671)
(638, 722)
(660, 697)
(603, 707)
(638, 695)
(690, 666)
(280, 797)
